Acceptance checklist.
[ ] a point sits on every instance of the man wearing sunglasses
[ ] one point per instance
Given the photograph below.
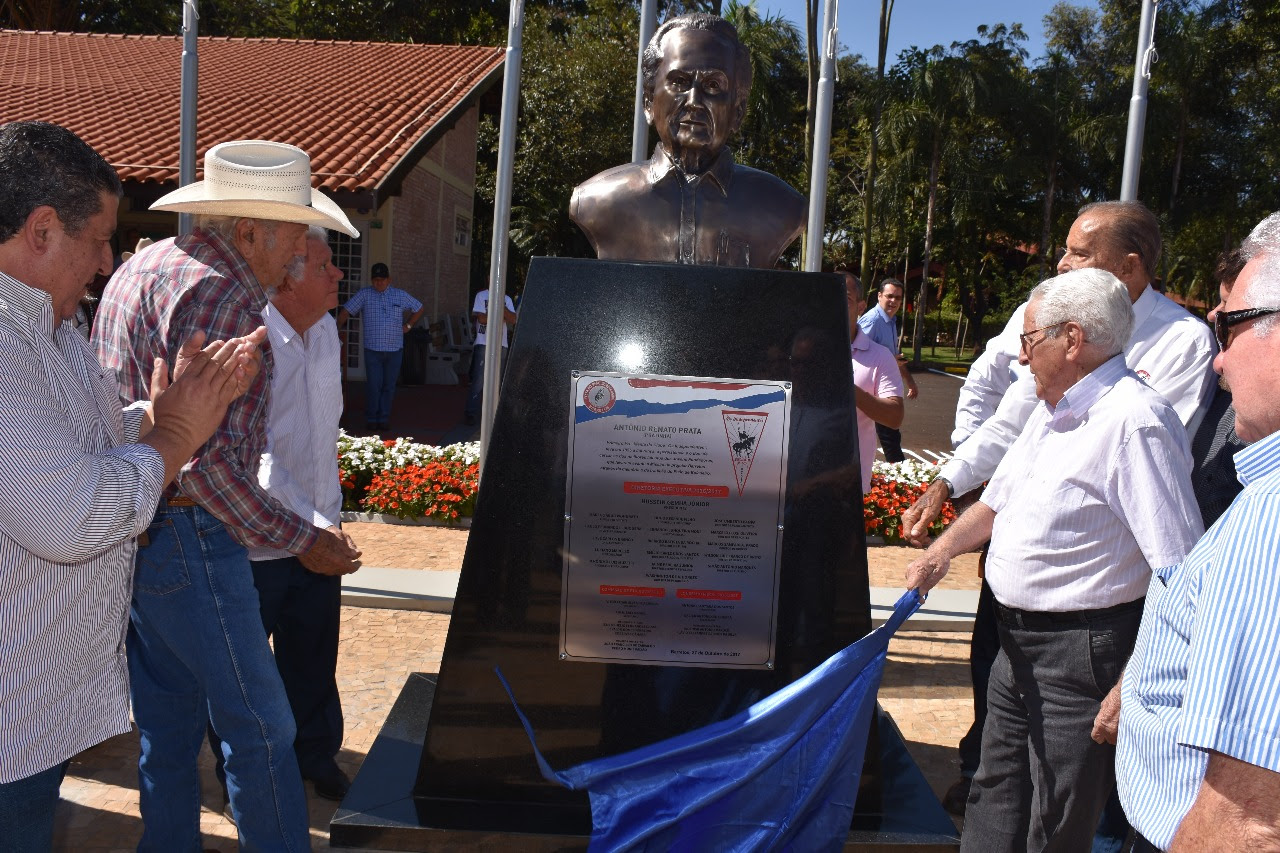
(1199, 749)
(1093, 496)
(1169, 349)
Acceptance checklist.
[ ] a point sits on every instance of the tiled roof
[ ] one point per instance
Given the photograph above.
(357, 108)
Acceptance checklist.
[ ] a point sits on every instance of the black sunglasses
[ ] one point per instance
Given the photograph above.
(1224, 320)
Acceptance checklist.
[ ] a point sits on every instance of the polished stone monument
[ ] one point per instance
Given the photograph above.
(471, 775)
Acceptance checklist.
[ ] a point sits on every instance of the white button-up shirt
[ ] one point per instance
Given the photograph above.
(1093, 495)
(1171, 351)
(300, 465)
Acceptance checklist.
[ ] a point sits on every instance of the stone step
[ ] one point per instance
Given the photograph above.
(415, 589)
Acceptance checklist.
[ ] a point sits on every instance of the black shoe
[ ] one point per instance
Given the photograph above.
(956, 799)
(330, 782)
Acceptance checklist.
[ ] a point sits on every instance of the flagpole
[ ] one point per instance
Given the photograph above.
(501, 224)
(822, 141)
(1138, 101)
(187, 115)
(640, 125)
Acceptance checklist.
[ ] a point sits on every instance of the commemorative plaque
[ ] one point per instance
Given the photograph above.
(674, 520)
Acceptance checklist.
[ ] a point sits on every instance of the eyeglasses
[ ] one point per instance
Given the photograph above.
(1025, 337)
(1224, 320)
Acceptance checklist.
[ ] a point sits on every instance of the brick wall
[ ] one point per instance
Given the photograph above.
(428, 257)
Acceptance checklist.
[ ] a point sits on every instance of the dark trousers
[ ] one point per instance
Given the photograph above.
(301, 612)
(1043, 781)
(983, 649)
(890, 443)
(26, 810)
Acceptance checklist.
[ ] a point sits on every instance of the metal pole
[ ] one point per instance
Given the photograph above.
(640, 128)
(187, 117)
(501, 224)
(1138, 102)
(822, 140)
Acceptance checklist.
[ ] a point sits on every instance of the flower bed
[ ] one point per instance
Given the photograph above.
(409, 480)
(895, 486)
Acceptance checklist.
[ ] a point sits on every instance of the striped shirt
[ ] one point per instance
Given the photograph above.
(73, 495)
(1205, 673)
(152, 304)
(1093, 495)
(383, 316)
(300, 465)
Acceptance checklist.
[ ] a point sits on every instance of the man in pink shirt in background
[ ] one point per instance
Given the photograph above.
(877, 382)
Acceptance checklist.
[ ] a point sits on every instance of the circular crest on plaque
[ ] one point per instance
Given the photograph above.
(599, 397)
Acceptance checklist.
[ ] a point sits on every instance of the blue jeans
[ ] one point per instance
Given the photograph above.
(381, 370)
(476, 391)
(302, 613)
(26, 810)
(197, 653)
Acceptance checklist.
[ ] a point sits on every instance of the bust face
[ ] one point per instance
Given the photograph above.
(694, 104)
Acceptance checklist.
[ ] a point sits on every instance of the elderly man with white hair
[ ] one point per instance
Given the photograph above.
(196, 646)
(1199, 747)
(1093, 496)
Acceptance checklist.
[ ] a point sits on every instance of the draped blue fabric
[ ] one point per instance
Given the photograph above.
(781, 775)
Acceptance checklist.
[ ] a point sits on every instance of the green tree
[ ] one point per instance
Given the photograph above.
(936, 89)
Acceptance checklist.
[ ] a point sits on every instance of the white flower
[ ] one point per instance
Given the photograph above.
(371, 455)
(912, 472)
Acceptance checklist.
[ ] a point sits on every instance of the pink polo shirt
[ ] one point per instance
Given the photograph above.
(875, 370)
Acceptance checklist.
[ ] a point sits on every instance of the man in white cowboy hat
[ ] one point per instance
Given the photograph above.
(197, 650)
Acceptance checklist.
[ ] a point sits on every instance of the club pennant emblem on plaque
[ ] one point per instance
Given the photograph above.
(743, 430)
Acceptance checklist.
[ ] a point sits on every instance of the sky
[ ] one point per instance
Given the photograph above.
(924, 23)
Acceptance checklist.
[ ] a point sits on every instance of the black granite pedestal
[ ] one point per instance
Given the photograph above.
(380, 811)
(475, 773)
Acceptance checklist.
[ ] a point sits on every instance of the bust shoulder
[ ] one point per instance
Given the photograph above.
(600, 194)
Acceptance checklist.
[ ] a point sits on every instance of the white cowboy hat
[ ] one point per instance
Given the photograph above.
(258, 179)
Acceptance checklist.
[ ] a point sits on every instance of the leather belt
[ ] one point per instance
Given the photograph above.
(179, 500)
(1037, 619)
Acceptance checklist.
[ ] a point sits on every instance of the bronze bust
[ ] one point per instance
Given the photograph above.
(691, 203)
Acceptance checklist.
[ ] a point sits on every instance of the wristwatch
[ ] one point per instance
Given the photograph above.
(951, 490)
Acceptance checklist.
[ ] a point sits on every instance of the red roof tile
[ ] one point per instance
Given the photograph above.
(357, 108)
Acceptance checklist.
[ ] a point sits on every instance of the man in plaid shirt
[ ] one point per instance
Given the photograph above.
(196, 646)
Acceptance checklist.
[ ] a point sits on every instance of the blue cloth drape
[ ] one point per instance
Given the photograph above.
(781, 775)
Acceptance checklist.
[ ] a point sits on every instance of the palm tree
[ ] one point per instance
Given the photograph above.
(877, 109)
(936, 90)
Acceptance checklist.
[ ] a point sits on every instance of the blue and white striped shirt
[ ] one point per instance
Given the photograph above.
(73, 496)
(1205, 673)
(382, 316)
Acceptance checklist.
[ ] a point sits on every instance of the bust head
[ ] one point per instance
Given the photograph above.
(697, 76)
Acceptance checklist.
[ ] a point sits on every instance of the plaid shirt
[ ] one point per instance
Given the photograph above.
(152, 304)
(383, 316)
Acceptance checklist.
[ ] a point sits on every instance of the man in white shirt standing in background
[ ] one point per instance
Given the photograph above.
(1093, 496)
(480, 316)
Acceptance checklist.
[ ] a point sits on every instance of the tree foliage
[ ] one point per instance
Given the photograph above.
(1001, 149)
